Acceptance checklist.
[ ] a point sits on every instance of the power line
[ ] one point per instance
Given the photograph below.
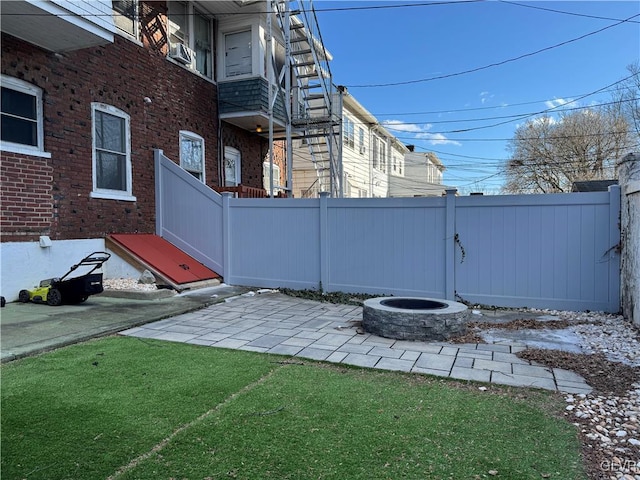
(541, 112)
(492, 107)
(517, 116)
(563, 12)
(512, 118)
(495, 64)
(264, 12)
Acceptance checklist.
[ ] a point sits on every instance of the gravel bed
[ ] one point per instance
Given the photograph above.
(128, 284)
(608, 418)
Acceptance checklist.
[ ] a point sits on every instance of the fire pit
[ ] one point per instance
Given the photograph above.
(414, 318)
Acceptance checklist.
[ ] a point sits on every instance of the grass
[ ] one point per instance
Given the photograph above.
(131, 409)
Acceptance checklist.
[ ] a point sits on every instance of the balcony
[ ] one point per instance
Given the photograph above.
(59, 25)
(245, 104)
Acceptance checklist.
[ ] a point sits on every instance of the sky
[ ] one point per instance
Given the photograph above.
(495, 59)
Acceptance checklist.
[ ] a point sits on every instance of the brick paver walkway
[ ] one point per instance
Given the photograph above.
(279, 324)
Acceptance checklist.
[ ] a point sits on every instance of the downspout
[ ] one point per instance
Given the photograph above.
(341, 90)
(288, 100)
(219, 140)
(270, 79)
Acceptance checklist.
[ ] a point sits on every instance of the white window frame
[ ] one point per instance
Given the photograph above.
(266, 167)
(187, 135)
(375, 159)
(348, 132)
(96, 192)
(383, 155)
(229, 151)
(246, 29)
(27, 88)
(363, 147)
(136, 23)
(191, 13)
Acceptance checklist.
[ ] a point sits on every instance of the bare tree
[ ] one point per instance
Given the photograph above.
(548, 155)
(626, 98)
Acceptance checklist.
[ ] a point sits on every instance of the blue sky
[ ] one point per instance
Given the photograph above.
(414, 41)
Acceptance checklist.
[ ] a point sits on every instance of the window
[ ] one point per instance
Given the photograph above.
(190, 38)
(192, 154)
(363, 147)
(231, 167)
(266, 182)
(125, 16)
(397, 163)
(111, 153)
(348, 132)
(374, 152)
(21, 117)
(383, 155)
(237, 60)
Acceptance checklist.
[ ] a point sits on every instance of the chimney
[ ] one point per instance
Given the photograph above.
(411, 147)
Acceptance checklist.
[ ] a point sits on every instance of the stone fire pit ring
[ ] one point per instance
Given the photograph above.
(414, 318)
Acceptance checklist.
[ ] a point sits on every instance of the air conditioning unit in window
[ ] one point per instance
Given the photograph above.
(362, 150)
(181, 53)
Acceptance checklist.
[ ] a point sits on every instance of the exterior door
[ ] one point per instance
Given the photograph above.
(231, 167)
(237, 60)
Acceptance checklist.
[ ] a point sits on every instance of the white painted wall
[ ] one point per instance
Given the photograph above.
(24, 264)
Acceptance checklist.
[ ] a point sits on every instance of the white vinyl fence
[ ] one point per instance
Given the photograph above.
(558, 251)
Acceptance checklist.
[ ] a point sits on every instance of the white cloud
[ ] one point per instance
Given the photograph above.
(399, 125)
(485, 96)
(437, 139)
(420, 132)
(558, 102)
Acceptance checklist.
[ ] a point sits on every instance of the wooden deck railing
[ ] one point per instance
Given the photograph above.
(243, 191)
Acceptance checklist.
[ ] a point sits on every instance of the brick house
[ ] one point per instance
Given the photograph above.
(90, 89)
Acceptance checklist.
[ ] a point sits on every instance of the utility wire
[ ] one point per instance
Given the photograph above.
(389, 126)
(263, 12)
(495, 64)
(563, 12)
(530, 115)
(492, 107)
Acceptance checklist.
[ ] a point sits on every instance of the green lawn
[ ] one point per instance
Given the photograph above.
(126, 408)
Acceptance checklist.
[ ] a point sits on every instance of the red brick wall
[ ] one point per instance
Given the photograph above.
(119, 74)
(27, 202)
(250, 146)
(253, 151)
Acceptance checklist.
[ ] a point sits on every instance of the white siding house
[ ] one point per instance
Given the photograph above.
(368, 153)
(421, 176)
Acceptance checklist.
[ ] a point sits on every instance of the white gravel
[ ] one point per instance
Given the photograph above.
(128, 284)
(610, 423)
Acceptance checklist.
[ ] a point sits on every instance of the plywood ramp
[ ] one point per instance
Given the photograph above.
(166, 261)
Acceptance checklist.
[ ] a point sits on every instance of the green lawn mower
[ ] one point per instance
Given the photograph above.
(56, 291)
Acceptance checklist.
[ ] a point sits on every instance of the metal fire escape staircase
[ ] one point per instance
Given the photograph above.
(315, 115)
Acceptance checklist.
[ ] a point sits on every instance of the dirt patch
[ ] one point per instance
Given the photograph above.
(606, 377)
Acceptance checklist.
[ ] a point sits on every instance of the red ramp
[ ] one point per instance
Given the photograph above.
(162, 258)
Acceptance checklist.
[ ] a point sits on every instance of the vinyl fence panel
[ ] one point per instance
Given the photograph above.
(387, 246)
(545, 251)
(274, 243)
(189, 214)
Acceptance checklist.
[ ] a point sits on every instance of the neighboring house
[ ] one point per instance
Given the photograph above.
(368, 156)
(90, 89)
(422, 176)
(593, 185)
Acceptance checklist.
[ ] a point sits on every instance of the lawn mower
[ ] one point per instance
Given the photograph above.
(56, 291)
